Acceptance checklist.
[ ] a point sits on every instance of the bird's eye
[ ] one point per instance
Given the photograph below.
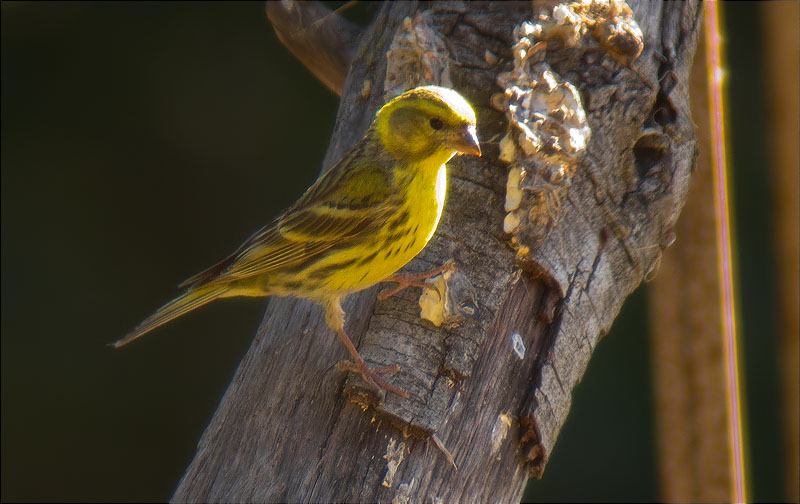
(436, 123)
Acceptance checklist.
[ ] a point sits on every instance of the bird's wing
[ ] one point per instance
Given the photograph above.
(352, 199)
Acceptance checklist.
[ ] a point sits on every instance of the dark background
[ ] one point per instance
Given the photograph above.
(142, 142)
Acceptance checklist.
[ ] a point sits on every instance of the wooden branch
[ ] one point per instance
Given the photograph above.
(323, 41)
(686, 338)
(493, 393)
(781, 52)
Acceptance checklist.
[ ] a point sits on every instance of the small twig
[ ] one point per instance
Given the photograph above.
(438, 444)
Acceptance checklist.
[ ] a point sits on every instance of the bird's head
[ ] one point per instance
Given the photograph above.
(427, 123)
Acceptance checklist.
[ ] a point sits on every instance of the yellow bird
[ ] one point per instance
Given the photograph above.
(358, 224)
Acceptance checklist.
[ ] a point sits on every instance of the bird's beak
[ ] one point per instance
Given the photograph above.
(467, 141)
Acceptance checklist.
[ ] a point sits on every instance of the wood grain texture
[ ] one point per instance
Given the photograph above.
(287, 430)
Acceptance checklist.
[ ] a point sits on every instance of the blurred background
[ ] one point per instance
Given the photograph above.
(142, 142)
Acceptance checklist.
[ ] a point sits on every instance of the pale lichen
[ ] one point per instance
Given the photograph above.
(500, 429)
(395, 453)
(548, 130)
(448, 299)
(609, 22)
(547, 137)
(517, 345)
(417, 56)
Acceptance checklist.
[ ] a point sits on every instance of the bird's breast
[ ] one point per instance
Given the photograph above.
(372, 259)
(440, 191)
(424, 203)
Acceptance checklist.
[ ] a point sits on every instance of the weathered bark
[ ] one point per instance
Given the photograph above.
(495, 391)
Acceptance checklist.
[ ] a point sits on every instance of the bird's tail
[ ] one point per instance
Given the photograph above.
(186, 302)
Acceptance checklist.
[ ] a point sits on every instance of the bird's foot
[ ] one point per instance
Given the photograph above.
(371, 375)
(405, 280)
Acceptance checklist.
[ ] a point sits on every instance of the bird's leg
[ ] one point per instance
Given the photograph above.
(334, 316)
(370, 375)
(405, 280)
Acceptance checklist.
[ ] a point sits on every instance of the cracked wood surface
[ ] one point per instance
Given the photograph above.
(287, 428)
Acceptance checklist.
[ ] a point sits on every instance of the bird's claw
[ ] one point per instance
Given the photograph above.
(371, 376)
(405, 280)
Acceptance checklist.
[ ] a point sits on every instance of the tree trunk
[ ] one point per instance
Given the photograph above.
(552, 240)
